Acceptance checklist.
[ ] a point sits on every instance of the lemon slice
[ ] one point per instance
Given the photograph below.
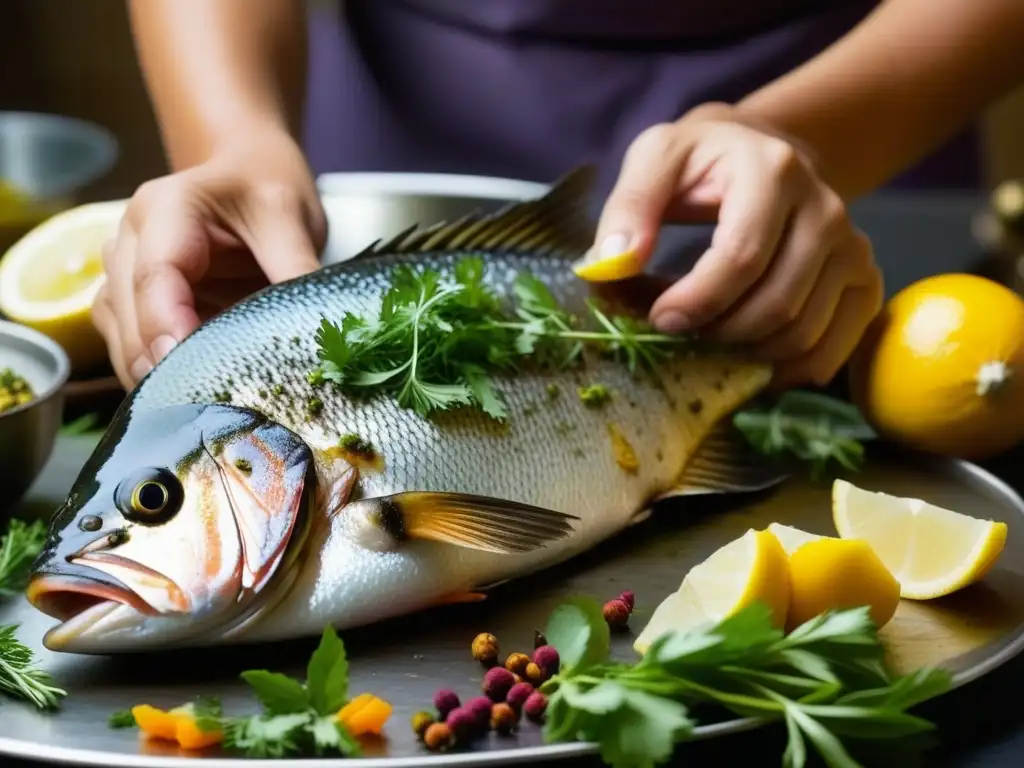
(749, 569)
(617, 267)
(830, 574)
(791, 538)
(49, 278)
(931, 551)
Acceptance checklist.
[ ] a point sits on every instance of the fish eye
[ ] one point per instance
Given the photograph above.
(149, 496)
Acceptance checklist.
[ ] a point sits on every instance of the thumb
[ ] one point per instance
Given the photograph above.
(628, 227)
(283, 242)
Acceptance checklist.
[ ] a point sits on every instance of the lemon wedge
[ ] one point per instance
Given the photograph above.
(829, 574)
(617, 267)
(931, 551)
(749, 569)
(791, 538)
(49, 278)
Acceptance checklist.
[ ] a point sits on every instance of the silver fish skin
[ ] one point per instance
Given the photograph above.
(315, 549)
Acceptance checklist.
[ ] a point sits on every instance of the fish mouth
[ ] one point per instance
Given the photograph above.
(67, 598)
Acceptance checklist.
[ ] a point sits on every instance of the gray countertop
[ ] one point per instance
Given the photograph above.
(977, 725)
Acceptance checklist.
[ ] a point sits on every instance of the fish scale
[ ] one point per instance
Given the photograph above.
(552, 453)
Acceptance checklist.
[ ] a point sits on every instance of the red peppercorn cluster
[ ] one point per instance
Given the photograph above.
(509, 694)
(616, 612)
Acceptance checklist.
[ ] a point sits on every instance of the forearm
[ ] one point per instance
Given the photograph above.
(909, 77)
(218, 69)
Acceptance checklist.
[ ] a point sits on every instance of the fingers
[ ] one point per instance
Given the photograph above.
(278, 234)
(761, 188)
(634, 209)
(119, 268)
(780, 297)
(173, 255)
(105, 322)
(860, 303)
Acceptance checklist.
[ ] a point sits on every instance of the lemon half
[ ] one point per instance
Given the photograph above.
(749, 569)
(50, 277)
(931, 551)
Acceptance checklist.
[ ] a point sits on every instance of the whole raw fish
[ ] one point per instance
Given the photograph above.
(222, 504)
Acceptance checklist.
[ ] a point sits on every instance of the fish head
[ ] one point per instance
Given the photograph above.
(173, 529)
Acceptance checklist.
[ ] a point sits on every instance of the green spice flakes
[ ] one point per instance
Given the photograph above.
(14, 390)
(594, 396)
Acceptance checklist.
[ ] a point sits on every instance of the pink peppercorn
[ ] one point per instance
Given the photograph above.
(445, 700)
(497, 683)
(518, 694)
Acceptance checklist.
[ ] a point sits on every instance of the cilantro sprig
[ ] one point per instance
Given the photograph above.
(811, 426)
(19, 675)
(437, 340)
(298, 718)
(826, 680)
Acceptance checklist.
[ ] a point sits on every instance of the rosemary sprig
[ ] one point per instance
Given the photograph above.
(18, 675)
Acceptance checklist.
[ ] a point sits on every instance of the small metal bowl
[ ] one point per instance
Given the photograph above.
(48, 160)
(28, 432)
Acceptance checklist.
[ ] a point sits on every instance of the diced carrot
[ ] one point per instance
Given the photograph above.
(354, 706)
(156, 723)
(369, 718)
(190, 736)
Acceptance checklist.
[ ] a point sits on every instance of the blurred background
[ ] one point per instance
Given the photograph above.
(76, 59)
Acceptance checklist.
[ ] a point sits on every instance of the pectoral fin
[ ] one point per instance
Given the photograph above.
(463, 520)
(724, 463)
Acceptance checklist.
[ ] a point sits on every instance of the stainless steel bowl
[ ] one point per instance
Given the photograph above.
(46, 160)
(364, 207)
(28, 432)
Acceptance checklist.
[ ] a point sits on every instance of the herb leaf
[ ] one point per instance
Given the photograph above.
(826, 680)
(811, 426)
(121, 719)
(327, 674)
(18, 548)
(579, 633)
(437, 340)
(279, 694)
(20, 678)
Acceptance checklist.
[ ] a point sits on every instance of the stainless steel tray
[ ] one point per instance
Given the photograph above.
(405, 661)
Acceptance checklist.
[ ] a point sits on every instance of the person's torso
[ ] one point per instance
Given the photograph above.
(530, 88)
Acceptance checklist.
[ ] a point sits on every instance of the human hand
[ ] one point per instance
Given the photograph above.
(787, 274)
(193, 243)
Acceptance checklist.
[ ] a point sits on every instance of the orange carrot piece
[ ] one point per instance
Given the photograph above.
(190, 736)
(156, 723)
(354, 706)
(368, 719)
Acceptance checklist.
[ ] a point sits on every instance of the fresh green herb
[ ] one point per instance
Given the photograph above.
(813, 427)
(18, 675)
(594, 396)
(553, 390)
(243, 465)
(436, 341)
(355, 444)
(82, 425)
(826, 680)
(123, 718)
(298, 718)
(18, 548)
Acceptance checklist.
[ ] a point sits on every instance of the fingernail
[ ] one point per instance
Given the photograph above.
(671, 322)
(161, 346)
(140, 368)
(612, 245)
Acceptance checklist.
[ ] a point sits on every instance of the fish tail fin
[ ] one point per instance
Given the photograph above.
(558, 223)
(463, 520)
(722, 462)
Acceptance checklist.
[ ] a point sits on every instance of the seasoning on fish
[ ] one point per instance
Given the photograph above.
(14, 390)
(243, 520)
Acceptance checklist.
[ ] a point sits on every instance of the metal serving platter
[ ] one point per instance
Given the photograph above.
(406, 660)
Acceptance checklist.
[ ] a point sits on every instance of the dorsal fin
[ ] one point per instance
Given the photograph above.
(558, 223)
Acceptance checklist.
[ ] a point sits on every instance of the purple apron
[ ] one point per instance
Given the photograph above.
(531, 88)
